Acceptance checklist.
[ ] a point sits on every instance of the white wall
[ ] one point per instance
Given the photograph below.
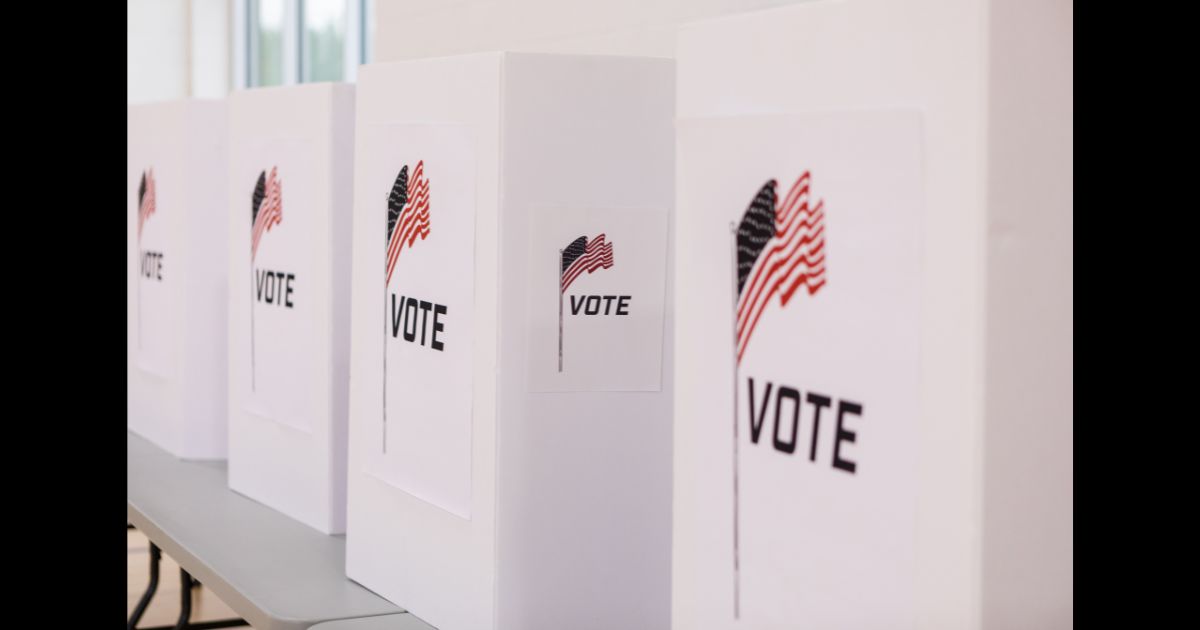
(177, 49)
(182, 48)
(407, 29)
(157, 49)
(210, 48)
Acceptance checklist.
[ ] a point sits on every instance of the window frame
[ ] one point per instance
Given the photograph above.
(358, 39)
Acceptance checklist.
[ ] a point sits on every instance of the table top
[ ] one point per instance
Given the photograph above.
(385, 622)
(276, 572)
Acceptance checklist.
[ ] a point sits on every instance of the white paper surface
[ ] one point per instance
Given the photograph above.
(424, 430)
(812, 542)
(612, 309)
(283, 373)
(157, 267)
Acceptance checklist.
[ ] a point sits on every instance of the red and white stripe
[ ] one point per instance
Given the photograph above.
(597, 255)
(270, 212)
(413, 221)
(794, 258)
(146, 209)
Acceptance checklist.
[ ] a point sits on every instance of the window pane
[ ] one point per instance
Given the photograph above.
(269, 36)
(368, 30)
(324, 39)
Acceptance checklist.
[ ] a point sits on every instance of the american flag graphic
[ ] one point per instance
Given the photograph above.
(583, 256)
(266, 207)
(579, 257)
(407, 219)
(266, 211)
(780, 248)
(408, 213)
(146, 206)
(146, 200)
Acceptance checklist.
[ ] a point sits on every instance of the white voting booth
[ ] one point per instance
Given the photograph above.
(176, 279)
(510, 411)
(289, 214)
(844, 222)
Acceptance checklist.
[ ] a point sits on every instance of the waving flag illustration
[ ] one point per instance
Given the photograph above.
(146, 200)
(582, 256)
(146, 203)
(407, 219)
(266, 211)
(579, 257)
(778, 248)
(266, 208)
(408, 214)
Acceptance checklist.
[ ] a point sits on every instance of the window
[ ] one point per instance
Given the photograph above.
(323, 44)
(282, 42)
(267, 38)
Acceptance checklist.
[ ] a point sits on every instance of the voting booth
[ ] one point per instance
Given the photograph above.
(510, 411)
(176, 291)
(850, 255)
(289, 212)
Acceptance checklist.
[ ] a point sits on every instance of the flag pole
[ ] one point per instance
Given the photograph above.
(140, 260)
(139, 287)
(558, 271)
(386, 323)
(737, 596)
(253, 387)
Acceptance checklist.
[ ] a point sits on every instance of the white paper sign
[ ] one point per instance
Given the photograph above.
(157, 280)
(283, 220)
(596, 299)
(810, 227)
(425, 178)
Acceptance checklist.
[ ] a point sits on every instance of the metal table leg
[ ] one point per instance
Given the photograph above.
(155, 558)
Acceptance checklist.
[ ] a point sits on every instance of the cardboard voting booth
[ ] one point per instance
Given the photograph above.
(842, 169)
(176, 280)
(510, 439)
(289, 214)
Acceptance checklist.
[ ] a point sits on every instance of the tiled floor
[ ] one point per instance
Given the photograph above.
(164, 608)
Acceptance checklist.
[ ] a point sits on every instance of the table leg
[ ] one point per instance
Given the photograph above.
(186, 584)
(155, 558)
(185, 600)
